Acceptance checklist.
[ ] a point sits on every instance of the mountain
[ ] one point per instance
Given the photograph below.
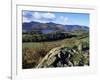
(51, 27)
(75, 27)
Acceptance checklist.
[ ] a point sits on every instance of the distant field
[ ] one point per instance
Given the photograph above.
(67, 42)
(82, 36)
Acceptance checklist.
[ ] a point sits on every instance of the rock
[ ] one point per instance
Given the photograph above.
(62, 57)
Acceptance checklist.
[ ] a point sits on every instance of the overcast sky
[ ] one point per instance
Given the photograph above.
(56, 17)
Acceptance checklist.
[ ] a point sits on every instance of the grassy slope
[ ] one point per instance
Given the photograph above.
(67, 42)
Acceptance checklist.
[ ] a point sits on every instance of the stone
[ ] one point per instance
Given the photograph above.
(62, 57)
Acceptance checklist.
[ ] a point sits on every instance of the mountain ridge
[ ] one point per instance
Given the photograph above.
(51, 26)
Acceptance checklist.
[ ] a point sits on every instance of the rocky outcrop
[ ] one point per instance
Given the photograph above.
(65, 57)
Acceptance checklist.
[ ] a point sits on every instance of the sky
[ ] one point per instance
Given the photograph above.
(64, 18)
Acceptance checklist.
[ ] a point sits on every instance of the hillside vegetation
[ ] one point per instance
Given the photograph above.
(55, 49)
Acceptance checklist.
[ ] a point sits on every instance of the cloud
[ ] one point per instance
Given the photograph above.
(62, 20)
(38, 16)
(26, 19)
(48, 15)
(43, 16)
(29, 16)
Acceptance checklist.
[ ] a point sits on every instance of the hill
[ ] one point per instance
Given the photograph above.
(51, 27)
